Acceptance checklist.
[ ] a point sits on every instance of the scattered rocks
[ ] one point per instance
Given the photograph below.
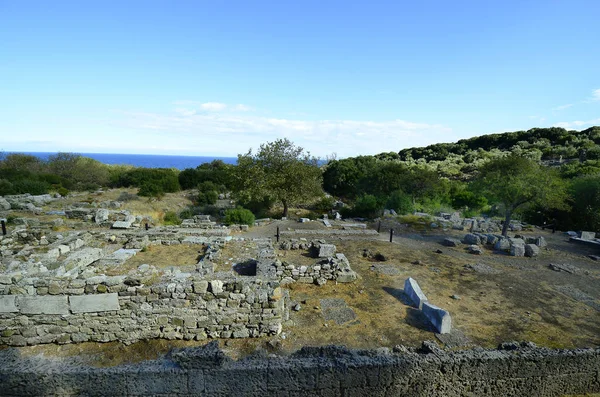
(563, 268)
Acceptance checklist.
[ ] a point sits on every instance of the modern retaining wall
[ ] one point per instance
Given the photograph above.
(327, 371)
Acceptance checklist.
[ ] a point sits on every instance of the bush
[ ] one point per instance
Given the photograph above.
(240, 216)
(400, 202)
(171, 218)
(6, 187)
(62, 191)
(208, 197)
(31, 186)
(367, 206)
(324, 205)
(149, 189)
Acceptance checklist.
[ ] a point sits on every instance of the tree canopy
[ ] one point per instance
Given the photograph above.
(515, 182)
(279, 171)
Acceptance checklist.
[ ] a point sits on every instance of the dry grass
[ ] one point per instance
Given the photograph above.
(161, 257)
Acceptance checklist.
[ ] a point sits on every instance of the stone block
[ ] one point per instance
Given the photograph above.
(502, 245)
(94, 303)
(517, 250)
(472, 239)
(101, 215)
(326, 250)
(588, 235)
(121, 225)
(532, 250)
(451, 242)
(8, 304)
(82, 258)
(440, 318)
(414, 293)
(43, 304)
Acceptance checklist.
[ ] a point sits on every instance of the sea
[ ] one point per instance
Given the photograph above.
(145, 160)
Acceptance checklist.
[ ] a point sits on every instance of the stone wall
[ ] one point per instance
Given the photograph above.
(326, 371)
(119, 308)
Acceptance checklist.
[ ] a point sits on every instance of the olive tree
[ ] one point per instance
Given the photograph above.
(279, 171)
(515, 182)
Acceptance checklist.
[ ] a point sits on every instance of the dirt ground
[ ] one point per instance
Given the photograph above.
(491, 297)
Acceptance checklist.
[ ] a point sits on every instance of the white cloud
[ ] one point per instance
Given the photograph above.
(213, 106)
(563, 107)
(242, 108)
(577, 124)
(229, 134)
(596, 95)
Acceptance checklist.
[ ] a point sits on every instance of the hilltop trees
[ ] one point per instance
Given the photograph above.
(515, 182)
(278, 171)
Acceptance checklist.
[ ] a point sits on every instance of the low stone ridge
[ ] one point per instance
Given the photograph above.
(414, 293)
(94, 303)
(440, 318)
(523, 370)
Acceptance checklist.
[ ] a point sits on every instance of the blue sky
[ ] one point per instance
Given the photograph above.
(219, 77)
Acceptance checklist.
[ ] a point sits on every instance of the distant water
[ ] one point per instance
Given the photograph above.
(146, 160)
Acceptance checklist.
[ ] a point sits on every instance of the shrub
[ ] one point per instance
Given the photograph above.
(239, 216)
(367, 206)
(126, 196)
(62, 191)
(149, 189)
(207, 197)
(31, 186)
(324, 205)
(6, 187)
(171, 218)
(400, 202)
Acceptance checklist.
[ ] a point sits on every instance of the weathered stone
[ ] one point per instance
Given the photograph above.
(216, 286)
(502, 245)
(82, 258)
(121, 225)
(94, 303)
(588, 235)
(326, 250)
(414, 293)
(532, 250)
(451, 242)
(101, 215)
(475, 249)
(517, 250)
(43, 304)
(200, 287)
(440, 318)
(8, 304)
(472, 239)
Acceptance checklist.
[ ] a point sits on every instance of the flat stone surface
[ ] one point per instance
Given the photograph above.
(414, 293)
(43, 304)
(337, 310)
(454, 338)
(94, 303)
(481, 268)
(8, 304)
(191, 240)
(121, 225)
(588, 235)
(326, 250)
(382, 268)
(439, 317)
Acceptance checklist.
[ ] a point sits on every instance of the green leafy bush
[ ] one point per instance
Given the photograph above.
(240, 216)
(6, 187)
(31, 186)
(400, 202)
(171, 218)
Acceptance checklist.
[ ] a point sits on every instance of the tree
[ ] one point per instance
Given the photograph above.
(279, 171)
(515, 182)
